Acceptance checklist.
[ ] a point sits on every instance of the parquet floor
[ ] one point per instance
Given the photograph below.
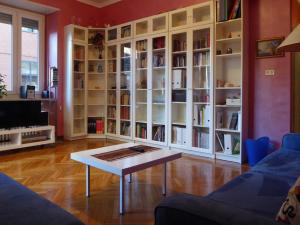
(50, 172)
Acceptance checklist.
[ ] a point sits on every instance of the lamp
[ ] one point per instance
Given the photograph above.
(292, 42)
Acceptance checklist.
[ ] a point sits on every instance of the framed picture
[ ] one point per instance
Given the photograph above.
(267, 48)
(30, 92)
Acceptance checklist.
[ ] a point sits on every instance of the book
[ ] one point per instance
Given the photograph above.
(234, 121)
(235, 9)
(220, 119)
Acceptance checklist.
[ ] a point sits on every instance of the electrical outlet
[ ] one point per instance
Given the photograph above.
(270, 72)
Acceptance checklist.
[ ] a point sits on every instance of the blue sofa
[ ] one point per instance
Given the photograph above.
(21, 206)
(254, 198)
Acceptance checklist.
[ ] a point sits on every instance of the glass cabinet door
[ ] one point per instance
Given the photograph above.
(159, 77)
(201, 89)
(125, 93)
(111, 89)
(141, 84)
(179, 88)
(79, 86)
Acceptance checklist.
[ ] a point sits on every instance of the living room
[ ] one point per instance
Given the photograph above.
(149, 112)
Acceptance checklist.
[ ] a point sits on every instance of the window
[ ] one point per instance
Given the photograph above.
(30, 53)
(21, 48)
(6, 46)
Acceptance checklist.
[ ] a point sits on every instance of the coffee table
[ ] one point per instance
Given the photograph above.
(121, 160)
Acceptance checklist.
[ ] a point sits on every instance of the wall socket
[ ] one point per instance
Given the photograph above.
(270, 72)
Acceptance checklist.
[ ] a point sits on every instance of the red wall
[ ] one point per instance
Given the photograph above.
(270, 97)
(128, 10)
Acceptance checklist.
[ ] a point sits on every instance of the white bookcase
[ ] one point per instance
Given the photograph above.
(119, 96)
(191, 84)
(85, 89)
(75, 123)
(150, 88)
(173, 79)
(229, 90)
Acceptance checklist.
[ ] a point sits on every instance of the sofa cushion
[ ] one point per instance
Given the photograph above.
(284, 162)
(21, 206)
(291, 141)
(255, 192)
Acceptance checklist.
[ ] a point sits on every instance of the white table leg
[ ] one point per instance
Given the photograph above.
(130, 178)
(122, 195)
(165, 179)
(87, 180)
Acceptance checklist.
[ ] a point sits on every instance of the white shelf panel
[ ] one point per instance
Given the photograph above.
(232, 55)
(228, 106)
(228, 130)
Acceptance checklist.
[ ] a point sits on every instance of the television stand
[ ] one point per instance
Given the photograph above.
(11, 139)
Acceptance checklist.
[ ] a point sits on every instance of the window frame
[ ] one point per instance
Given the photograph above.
(17, 15)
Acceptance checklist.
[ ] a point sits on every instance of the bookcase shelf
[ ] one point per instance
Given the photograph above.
(229, 81)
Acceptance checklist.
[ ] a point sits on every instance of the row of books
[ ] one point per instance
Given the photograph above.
(179, 60)
(125, 98)
(159, 60)
(112, 52)
(112, 66)
(179, 135)
(228, 120)
(78, 82)
(179, 45)
(125, 113)
(95, 126)
(179, 78)
(141, 130)
(79, 53)
(125, 129)
(203, 42)
(141, 61)
(159, 43)
(111, 98)
(141, 45)
(126, 31)
(229, 143)
(202, 115)
(78, 66)
(200, 97)
(111, 111)
(158, 133)
(228, 10)
(200, 139)
(111, 126)
(201, 58)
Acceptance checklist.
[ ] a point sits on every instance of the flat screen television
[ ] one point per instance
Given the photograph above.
(21, 114)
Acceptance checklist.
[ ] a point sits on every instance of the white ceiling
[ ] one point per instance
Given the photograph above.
(99, 3)
(32, 6)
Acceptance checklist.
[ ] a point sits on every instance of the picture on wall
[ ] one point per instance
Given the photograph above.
(268, 48)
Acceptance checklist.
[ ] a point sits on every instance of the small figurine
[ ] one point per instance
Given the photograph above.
(219, 52)
(229, 51)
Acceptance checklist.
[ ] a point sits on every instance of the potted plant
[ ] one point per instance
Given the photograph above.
(3, 90)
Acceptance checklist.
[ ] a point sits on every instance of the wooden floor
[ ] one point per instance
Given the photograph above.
(50, 172)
